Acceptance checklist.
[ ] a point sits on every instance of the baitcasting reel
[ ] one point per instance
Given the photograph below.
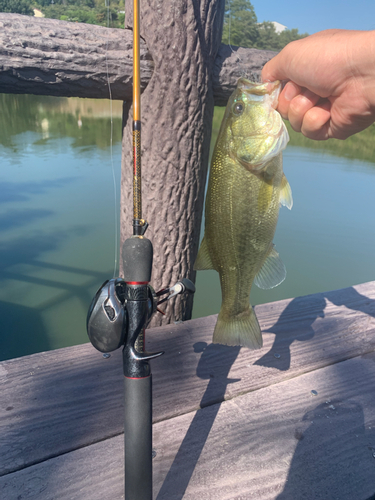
(107, 318)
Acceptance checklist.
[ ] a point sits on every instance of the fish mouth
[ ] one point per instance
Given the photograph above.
(271, 88)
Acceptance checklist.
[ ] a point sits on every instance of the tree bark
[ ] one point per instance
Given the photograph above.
(50, 57)
(177, 107)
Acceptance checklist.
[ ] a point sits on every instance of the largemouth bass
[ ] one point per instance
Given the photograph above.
(245, 189)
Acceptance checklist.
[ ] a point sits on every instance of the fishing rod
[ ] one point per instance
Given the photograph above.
(139, 225)
(122, 309)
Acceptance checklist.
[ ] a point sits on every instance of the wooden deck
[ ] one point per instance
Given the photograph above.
(229, 423)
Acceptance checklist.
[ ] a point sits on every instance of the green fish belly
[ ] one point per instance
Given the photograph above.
(241, 217)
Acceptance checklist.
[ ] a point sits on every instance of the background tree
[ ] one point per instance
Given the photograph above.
(85, 11)
(268, 38)
(17, 7)
(287, 36)
(240, 24)
(241, 28)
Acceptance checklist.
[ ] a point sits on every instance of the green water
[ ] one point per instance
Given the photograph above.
(57, 218)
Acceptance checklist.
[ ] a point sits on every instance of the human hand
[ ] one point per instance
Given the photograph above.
(330, 89)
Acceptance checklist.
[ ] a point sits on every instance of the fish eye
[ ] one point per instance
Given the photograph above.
(238, 108)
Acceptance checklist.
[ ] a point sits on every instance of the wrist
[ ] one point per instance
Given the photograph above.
(371, 65)
(362, 64)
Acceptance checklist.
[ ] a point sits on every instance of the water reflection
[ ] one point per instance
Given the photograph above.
(16, 324)
(36, 288)
(19, 218)
(87, 121)
(24, 191)
(57, 217)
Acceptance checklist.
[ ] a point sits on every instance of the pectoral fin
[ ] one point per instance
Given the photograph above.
(286, 198)
(272, 272)
(203, 260)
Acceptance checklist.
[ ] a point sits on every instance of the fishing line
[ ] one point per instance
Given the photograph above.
(229, 25)
(239, 60)
(111, 151)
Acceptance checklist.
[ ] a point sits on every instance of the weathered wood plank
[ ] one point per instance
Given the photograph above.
(277, 443)
(57, 401)
(51, 57)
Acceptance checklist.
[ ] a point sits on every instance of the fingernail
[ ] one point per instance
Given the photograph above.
(291, 90)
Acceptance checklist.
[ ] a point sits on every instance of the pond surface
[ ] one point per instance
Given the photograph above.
(58, 215)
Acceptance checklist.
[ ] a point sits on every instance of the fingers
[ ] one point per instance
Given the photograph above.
(280, 67)
(299, 106)
(296, 103)
(306, 111)
(273, 70)
(289, 92)
(316, 122)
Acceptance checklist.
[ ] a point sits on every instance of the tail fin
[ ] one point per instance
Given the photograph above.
(242, 329)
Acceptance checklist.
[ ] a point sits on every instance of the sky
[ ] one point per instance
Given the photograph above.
(316, 15)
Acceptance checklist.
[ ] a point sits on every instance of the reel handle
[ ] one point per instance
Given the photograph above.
(182, 286)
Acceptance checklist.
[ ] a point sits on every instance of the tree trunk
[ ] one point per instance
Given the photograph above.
(183, 38)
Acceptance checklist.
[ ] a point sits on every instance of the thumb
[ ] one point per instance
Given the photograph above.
(273, 70)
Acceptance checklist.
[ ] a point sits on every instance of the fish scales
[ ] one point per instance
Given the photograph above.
(246, 187)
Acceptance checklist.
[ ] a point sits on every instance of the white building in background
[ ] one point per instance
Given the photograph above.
(38, 13)
(278, 27)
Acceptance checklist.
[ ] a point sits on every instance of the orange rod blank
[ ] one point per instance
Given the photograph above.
(136, 63)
